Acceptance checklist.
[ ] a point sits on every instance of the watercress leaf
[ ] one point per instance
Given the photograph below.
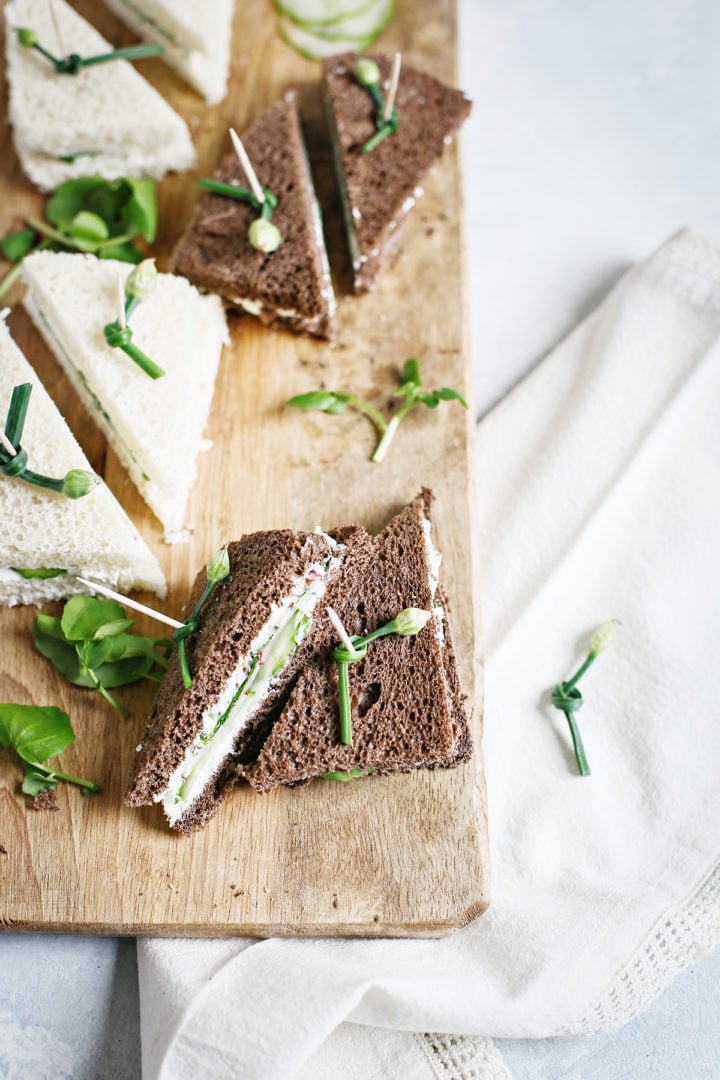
(431, 400)
(446, 394)
(111, 628)
(34, 782)
(16, 245)
(123, 672)
(320, 401)
(88, 226)
(338, 406)
(84, 615)
(125, 252)
(69, 199)
(411, 372)
(96, 653)
(60, 652)
(36, 732)
(107, 202)
(140, 213)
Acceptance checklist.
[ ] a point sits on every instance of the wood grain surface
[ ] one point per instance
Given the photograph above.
(402, 855)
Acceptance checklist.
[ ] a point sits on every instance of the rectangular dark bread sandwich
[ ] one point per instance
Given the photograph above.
(408, 709)
(291, 286)
(255, 631)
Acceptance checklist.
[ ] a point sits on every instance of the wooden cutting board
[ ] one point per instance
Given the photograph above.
(403, 855)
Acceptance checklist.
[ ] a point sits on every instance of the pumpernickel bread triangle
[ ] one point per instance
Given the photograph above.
(407, 706)
(257, 628)
(379, 188)
(288, 287)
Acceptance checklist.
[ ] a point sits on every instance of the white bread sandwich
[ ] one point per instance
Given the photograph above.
(155, 425)
(47, 538)
(196, 37)
(106, 120)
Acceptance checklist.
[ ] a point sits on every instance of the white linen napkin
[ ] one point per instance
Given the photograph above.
(598, 498)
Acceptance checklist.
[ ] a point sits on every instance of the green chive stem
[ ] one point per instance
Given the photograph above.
(589, 659)
(344, 700)
(578, 747)
(128, 52)
(19, 401)
(232, 192)
(53, 774)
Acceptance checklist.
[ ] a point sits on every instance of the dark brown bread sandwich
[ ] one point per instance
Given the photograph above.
(406, 703)
(379, 187)
(255, 631)
(289, 286)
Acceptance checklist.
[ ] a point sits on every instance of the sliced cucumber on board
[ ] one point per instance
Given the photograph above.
(354, 34)
(321, 12)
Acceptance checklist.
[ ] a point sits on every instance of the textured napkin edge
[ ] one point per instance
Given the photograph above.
(683, 934)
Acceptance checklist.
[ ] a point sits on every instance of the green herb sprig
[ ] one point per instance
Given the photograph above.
(73, 64)
(262, 234)
(92, 215)
(407, 623)
(367, 74)
(410, 391)
(218, 568)
(36, 733)
(14, 460)
(139, 285)
(91, 646)
(567, 698)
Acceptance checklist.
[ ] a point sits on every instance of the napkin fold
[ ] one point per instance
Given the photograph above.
(598, 498)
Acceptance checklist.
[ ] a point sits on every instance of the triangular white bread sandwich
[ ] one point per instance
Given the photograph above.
(155, 426)
(196, 37)
(45, 537)
(106, 120)
(256, 630)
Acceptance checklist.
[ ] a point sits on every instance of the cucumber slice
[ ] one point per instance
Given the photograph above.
(363, 27)
(321, 12)
(317, 45)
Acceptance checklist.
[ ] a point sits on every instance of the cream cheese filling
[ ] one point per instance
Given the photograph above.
(434, 559)
(246, 688)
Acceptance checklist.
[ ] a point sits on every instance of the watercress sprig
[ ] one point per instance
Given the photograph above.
(73, 64)
(91, 646)
(406, 623)
(14, 460)
(37, 733)
(217, 570)
(92, 215)
(410, 391)
(567, 698)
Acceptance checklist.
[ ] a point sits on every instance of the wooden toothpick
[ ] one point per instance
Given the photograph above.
(392, 91)
(56, 25)
(121, 320)
(130, 603)
(341, 631)
(241, 152)
(7, 444)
